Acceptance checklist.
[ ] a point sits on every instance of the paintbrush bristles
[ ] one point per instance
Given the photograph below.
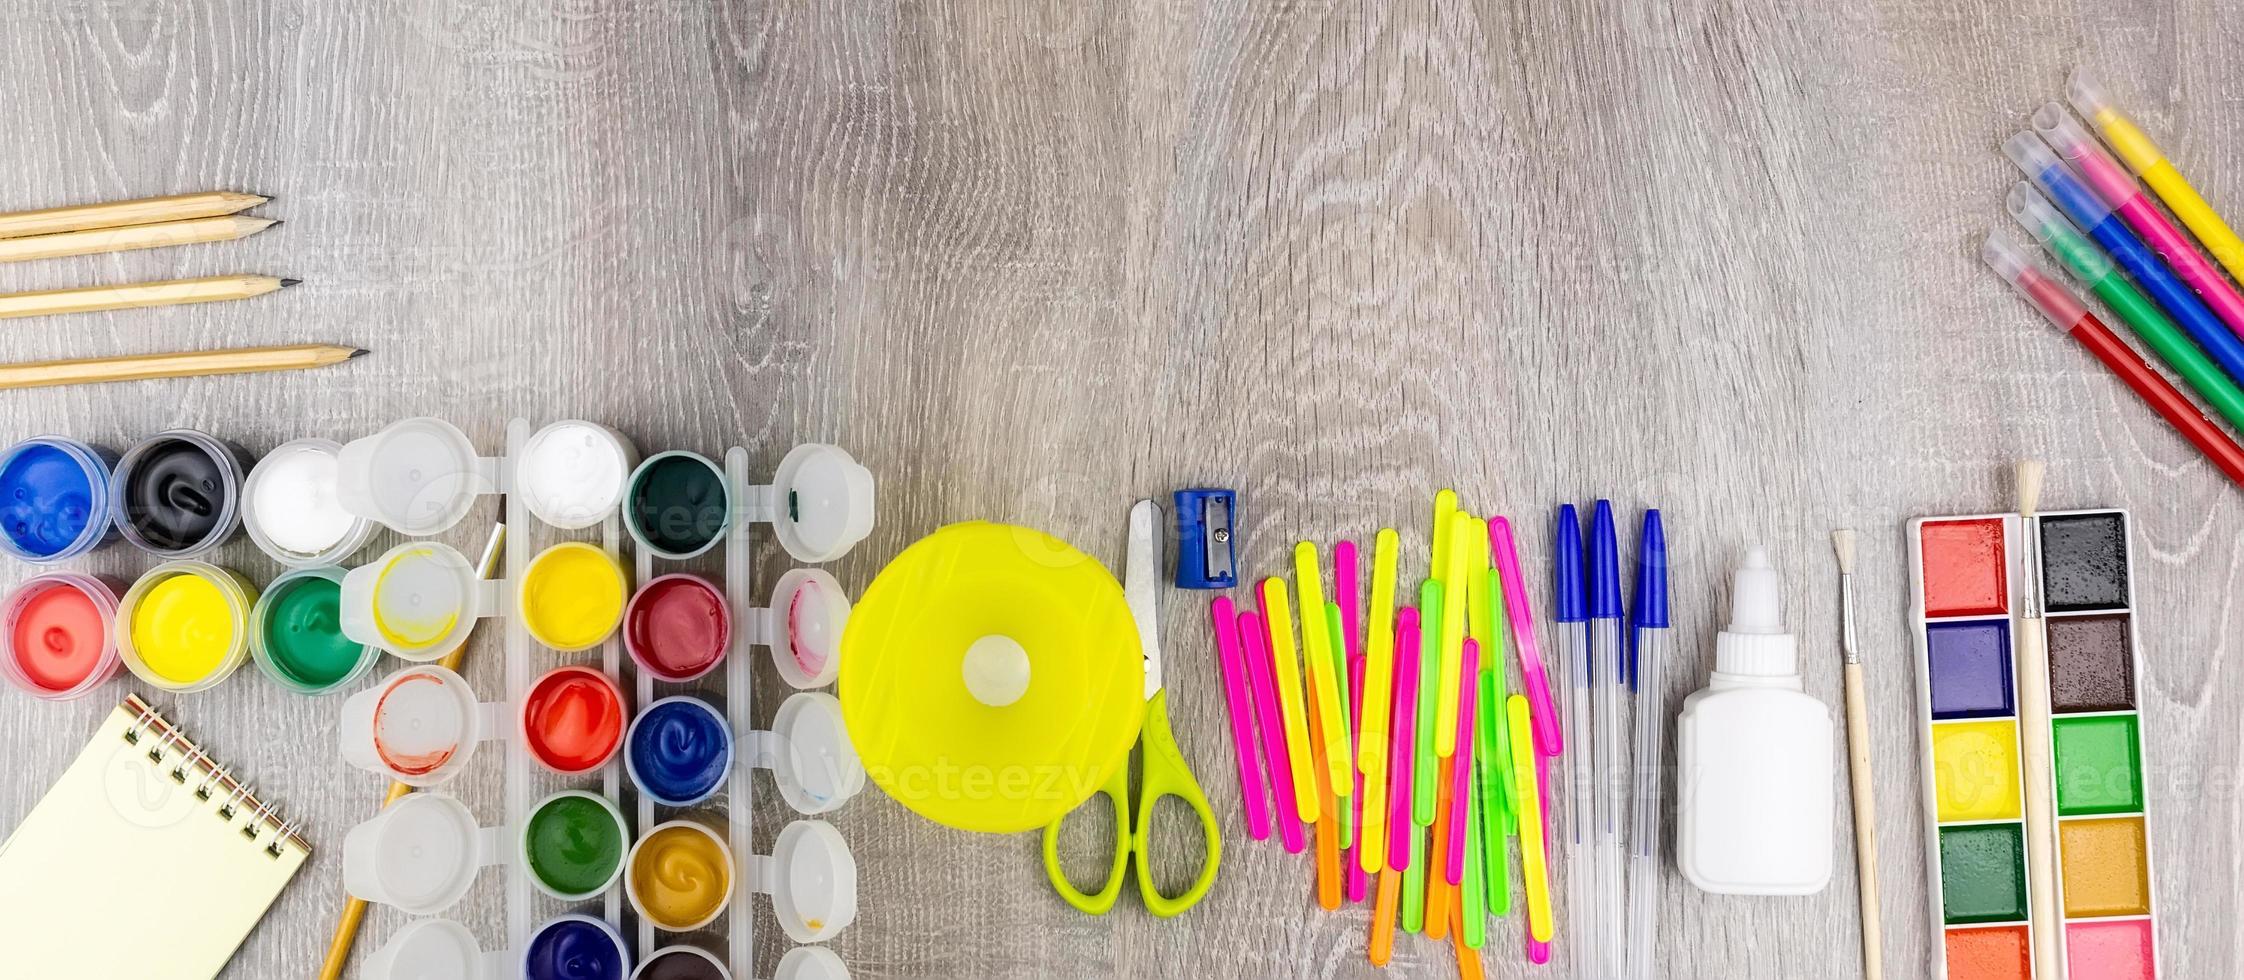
(1842, 543)
(2029, 486)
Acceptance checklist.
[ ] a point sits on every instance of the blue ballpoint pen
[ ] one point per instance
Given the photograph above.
(1570, 622)
(1609, 676)
(1650, 639)
(2072, 195)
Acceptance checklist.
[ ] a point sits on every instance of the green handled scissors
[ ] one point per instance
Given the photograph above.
(1165, 772)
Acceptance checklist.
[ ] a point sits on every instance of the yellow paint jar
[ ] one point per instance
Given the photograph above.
(680, 876)
(184, 626)
(572, 596)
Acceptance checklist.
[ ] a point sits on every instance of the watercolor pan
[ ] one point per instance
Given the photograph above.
(1968, 574)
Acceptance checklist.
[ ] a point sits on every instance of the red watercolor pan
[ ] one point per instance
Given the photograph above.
(573, 720)
(1964, 568)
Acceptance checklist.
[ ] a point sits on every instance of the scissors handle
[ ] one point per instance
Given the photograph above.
(1167, 775)
(1117, 793)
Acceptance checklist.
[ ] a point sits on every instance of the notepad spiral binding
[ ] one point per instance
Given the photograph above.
(212, 781)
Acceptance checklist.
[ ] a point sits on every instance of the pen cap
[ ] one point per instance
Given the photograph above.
(2086, 92)
(1568, 606)
(2097, 168)
(2053, 175)
(2015, 266)
(1650, 605)
(2056, 233)
(1605, 564)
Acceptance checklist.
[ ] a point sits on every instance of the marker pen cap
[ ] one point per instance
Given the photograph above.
(811, 963)
(419, 726)
(664, 962)
(271, 486)
(234, 591)
(812, 880)
(419, 476)
(2056, 233)
(419, 854)
(419, 600)
(809, 754)
(2064, 185)
(223, 500)
(434, 948)
(100, 650)
(820, 503)
(573, 473)
(31, 530)
(803, 627)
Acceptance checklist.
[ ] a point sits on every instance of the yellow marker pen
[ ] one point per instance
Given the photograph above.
(2144, 157)
(1287, 663)
(1316, 650)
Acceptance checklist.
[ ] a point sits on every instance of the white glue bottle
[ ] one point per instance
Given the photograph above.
(1754, 779)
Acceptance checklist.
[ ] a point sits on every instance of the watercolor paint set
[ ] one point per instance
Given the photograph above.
(578, 723)
(1975, 580)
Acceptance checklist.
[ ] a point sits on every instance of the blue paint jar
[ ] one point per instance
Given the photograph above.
(54, 499)
(679, 751)
(576, 947)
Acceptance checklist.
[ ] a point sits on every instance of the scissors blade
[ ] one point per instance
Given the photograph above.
(1141, 575)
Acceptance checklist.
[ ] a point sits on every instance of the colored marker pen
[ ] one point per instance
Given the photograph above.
(1651, 640)
(2126, 198)
(2064, 310)
(2144, 157)
(2089, 211)
(2088, 264)
(1570, 625)
(1608, 676)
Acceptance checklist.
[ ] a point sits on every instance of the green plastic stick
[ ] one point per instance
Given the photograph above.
(2088, 262)
(1427, 772)
(1347, 725)
(1496, 747)
(1491, 848)
(1414, 884)
(1471, 891)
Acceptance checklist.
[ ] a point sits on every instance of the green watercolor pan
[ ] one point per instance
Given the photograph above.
(1968, 575)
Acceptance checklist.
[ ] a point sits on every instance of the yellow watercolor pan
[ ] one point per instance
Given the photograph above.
(1975, 770)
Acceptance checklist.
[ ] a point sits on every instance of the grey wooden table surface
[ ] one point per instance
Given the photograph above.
(1032, 261)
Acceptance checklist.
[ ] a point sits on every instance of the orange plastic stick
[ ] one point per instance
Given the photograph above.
(1328, 832)
(1468, 959)
(1439, 893)
(1383, 916)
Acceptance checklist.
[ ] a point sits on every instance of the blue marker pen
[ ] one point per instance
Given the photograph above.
(1609, 676)
(1650, 639)
(2088, 211)
(1570, 636)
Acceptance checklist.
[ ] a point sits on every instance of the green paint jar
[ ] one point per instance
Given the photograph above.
(574, 844)
(297, 633)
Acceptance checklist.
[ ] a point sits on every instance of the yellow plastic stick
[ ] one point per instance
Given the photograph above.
(2149, 163)
(1287, 663)
(1533, 866)
(1453, 604)
(1445, 504)
(1379, 676)
(1316, 649)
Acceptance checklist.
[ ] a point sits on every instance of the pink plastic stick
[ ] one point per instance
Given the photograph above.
(1359, 883)
(1542, 711)
(1252, 629)
(1461, 784)
(1402, 745)
(1351, 603)
(1237, 694)
(2120, 191)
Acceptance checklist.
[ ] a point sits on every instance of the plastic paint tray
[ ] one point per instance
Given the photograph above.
(1966, 575)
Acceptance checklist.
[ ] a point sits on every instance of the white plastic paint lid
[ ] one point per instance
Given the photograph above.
(419, 476)
(293, 509)
(419, 854)
(811, 963)
(822, 502)
(814, 886)
(816, 767)
(433, 949)
(418, 600)
(419, 726)
(812, 610)
(573, 473)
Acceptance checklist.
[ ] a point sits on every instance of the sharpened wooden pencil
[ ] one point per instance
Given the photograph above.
(185, 364)
(96, 241)
(116, 214)
(174, 292)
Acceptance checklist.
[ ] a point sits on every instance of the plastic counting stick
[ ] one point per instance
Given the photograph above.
(1252, 631)
(1328, 829)
(1534, 861)
(1345, 807)
(1237, 694)
(1324, 681)
(1461, 778)
(1453, 587)
(1426, 776)
(1549, 740)
(1286, 671)
(1400, 827)
(1372, 755)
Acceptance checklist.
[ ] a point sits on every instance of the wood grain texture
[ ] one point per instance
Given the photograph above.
(1033, 260)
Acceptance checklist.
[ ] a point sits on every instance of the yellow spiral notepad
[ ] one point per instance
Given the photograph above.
(146, 860)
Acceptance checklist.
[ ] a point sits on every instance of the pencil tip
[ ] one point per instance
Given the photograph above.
(361, 352)
(285, 283)
(274, 222)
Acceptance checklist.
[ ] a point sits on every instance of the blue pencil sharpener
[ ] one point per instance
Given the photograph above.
(1206, 553)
